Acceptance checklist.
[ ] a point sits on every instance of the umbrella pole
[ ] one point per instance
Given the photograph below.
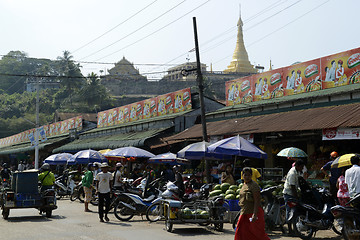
(234, 166)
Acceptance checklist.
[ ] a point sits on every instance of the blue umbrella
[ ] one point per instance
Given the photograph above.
(87, 156)
(237, 146)
(129, 152)
(167, 158)
(194, 151)
(58, 159)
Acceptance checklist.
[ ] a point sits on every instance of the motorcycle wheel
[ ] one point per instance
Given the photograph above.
(81, 194)
(168, 226)
(153, 212)
(74, 195)
(283, 225)
(347, 227)
(302, 231)
(120, 212)
(235, 221)
(48, 213)
(95, 199)
(337, 226)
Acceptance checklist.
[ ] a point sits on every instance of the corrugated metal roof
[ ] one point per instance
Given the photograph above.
(136, 139)
(300, 120)
(26, 147)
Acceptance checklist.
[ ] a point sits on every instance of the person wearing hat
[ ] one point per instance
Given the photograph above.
(103, 188)
(117, 177)
(46, 177)
(333, 173)
(87, 183)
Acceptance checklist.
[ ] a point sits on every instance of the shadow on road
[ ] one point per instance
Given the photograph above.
(119, 224)
(34, 218)
(195, 231)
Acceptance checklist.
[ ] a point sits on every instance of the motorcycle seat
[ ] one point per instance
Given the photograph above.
(149, 199)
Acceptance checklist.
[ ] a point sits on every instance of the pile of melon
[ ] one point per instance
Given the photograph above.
(229, 192)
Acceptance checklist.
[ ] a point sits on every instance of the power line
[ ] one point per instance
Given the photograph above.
(135, 30)
(114, 27)
(155, 31)
(280, 27)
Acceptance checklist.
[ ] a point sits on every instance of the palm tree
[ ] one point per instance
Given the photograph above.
(71, 76)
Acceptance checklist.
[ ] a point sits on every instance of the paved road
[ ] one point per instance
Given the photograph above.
(70, 222)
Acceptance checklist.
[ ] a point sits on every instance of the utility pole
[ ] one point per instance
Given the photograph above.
(201, 96)
(37, 125)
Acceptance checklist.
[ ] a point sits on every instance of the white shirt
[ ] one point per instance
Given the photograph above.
(291, 179)
(104, 182)
(352, 177)
(117, 177)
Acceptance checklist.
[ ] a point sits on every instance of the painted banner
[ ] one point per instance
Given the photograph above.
(182, 100)
(136, 111)
(341, 68)
(45, 131)
(341, 133)
(165, 104)
(322, 73)
(169, 103)
(150, 109)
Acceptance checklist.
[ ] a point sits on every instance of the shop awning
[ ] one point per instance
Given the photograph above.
(26, 147)
(135, 139)
(300, 120)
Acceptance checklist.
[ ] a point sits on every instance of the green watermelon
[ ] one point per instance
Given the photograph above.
(237, 196)
(186, 213)
(230, 192)
(238, 191)
(222, 195)
(233, 187)
(240, 185)
(215, 193)
(230, 197)
(204, 215)
(217, 187)
(225, 187)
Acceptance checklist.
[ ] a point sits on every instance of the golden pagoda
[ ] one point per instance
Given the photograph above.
(240, 62)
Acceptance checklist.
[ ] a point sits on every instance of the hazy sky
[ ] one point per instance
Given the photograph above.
(154, 32)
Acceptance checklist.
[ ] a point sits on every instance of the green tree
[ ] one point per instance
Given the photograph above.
(71, 76)
(94, 93)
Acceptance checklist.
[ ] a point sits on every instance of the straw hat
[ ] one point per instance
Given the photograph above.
(104, 165)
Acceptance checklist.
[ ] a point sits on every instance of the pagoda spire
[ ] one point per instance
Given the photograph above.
(240, 60)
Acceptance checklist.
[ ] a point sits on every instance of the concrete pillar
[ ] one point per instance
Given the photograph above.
(310, 148)
(269, 162)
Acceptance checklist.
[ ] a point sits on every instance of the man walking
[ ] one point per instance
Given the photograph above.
(352, 176)
(103, 188)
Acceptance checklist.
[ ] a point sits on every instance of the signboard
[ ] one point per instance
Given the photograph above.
(340, 133)
(45, 131)
(322, 73)
(162, 105)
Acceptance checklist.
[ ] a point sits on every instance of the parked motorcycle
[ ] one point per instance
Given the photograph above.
(350, 218)
(306, 219)
(64, 187)
(129, 204)
(154, 212)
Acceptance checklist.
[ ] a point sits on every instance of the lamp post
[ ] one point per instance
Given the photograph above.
(37, 126)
